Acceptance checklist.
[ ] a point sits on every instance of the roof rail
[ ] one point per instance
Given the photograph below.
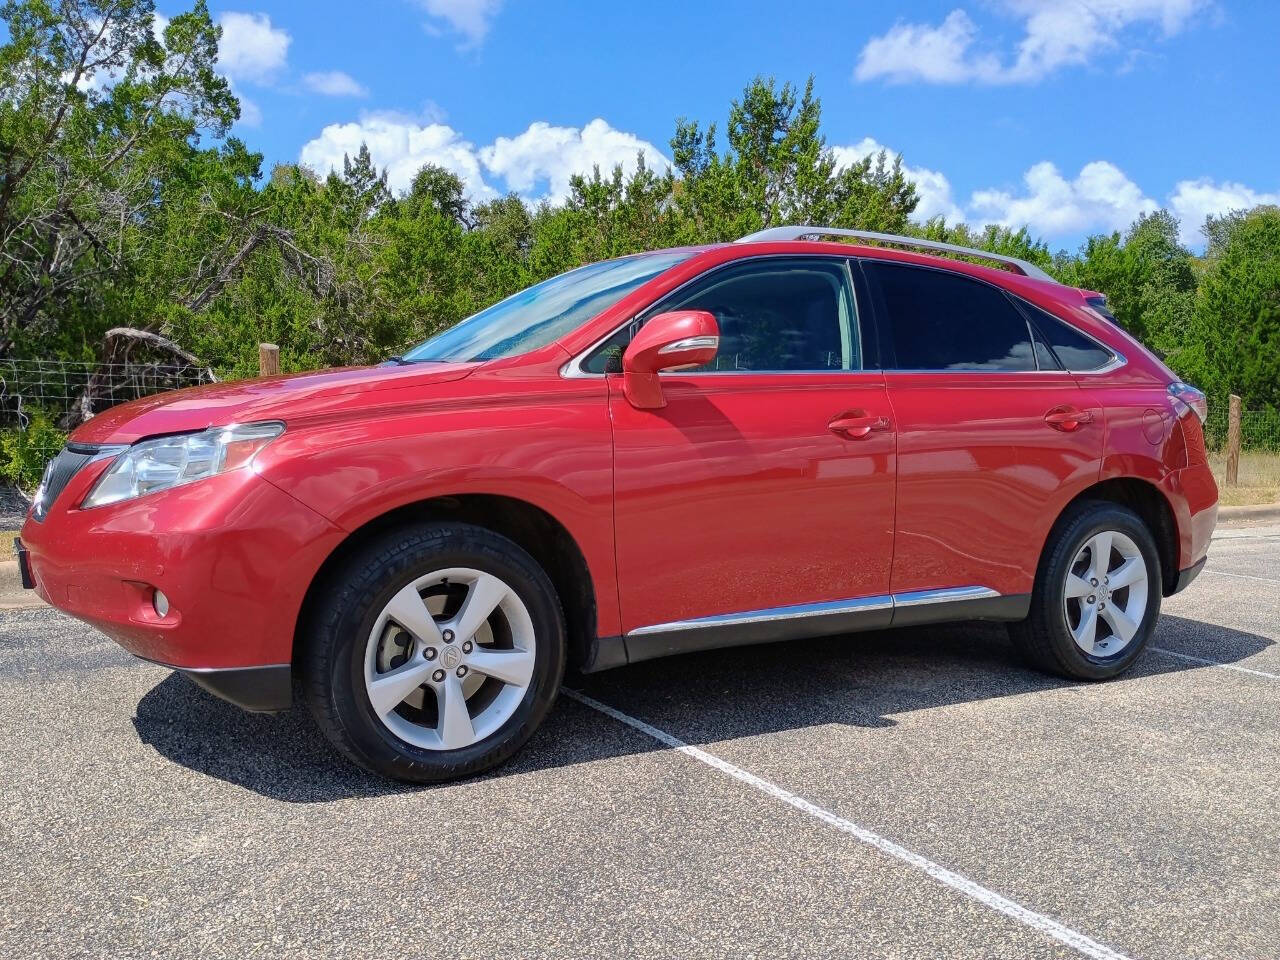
(774, 234)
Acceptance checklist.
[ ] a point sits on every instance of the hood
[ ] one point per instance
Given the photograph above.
(269, 398)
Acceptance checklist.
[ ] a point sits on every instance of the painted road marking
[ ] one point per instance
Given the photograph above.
(1240, 576)
(1038, 921)
(1215, 663)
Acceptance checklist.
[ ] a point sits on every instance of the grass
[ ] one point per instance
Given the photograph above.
(1259, 478)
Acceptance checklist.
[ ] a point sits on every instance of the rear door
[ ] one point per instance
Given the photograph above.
(745, 494)
(988, 450)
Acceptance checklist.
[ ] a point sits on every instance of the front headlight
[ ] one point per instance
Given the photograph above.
(152, 465)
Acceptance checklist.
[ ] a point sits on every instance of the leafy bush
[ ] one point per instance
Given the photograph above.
(24, 453)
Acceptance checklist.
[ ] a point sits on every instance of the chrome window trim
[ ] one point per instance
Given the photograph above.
(572, 369)
(803, 610)
(1117, 360)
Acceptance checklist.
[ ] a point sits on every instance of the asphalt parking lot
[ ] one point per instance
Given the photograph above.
(908, 794)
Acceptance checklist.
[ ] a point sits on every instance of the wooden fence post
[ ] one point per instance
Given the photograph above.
(1233, 441)
(268, 360)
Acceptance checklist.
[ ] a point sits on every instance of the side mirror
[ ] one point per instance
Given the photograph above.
(683, 338)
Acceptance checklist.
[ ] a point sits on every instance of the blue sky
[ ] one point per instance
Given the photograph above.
(1070, 116)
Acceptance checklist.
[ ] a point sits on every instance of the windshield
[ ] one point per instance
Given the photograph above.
(544, 312)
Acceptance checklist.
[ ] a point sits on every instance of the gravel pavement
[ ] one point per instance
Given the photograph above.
(900, 794)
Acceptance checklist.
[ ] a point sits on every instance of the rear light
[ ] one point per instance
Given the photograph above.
(1186, 396)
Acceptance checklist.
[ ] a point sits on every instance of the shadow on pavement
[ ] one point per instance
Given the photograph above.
(860, 680)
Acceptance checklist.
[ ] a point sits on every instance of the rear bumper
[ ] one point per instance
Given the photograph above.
(233, 555)
(1193, 495)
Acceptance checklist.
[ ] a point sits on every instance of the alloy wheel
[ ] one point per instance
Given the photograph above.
(1105, 597)
(449, 659)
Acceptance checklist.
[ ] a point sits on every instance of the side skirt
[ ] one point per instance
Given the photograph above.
(806, 621)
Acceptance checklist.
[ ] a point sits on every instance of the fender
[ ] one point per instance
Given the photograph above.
(553, 449)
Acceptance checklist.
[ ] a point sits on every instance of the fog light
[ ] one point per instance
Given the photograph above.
(161, 603)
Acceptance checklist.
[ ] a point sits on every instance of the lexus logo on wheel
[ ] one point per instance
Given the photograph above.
(451, 657)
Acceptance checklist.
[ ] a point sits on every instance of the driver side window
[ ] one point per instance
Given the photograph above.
(775, 314)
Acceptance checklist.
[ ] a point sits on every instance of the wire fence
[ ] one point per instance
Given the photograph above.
(42, 400)
(1259, 471)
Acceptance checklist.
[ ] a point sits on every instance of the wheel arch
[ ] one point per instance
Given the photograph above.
(530, 527)
(1151, 505)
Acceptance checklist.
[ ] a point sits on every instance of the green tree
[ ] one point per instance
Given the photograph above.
(778, 169)
(1148, 278)
(1233, 344)
(98, 110)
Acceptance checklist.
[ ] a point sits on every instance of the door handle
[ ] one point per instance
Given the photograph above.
(856, 424)
(1067, 418)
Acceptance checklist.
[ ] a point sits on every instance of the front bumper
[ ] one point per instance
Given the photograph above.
(233, 554)
(256, 689)
(1186, 576)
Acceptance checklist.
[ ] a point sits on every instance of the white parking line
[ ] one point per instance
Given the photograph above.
(1038, 921)
(1215, 663)
(1240, 576)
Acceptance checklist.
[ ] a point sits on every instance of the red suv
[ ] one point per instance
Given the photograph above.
(667, 452)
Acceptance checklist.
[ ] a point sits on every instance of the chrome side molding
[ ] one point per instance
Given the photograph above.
(890, 602)
(769, 615)
(950, 595)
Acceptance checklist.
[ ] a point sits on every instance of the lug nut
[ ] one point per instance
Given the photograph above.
(1092, 599)
(462, 671)
(1093, 581)
(438, 676)
(429, 653)
(466, 647)
(447, 636)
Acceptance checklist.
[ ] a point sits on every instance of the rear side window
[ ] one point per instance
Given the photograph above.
(1073, 349)
(935, 320)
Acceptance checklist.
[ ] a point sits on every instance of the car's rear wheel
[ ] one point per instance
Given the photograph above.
(435, 654)
(1096, 596)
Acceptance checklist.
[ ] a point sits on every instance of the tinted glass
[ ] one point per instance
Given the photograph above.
(544, 312)
(774, 315)
(935, 320)
(1073, 348)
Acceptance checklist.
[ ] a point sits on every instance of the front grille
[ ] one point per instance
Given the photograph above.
(58, 474)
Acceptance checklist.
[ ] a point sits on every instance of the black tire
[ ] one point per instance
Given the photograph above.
(331, 660)
(1043, 637)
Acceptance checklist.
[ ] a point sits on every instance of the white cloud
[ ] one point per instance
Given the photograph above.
(250, 112)
(1055, 35)
(544, 153)
(470, 18)
(334, 83)
(1193, 200)
(917, 51)
(251, 48)
(539, 162)
(932, 186)
(1100, 198)
(401, 145)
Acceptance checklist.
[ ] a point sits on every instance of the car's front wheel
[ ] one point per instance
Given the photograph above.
(1096, 596)
(435, 654)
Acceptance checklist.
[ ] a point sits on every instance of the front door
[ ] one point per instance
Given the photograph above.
(762, 494)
